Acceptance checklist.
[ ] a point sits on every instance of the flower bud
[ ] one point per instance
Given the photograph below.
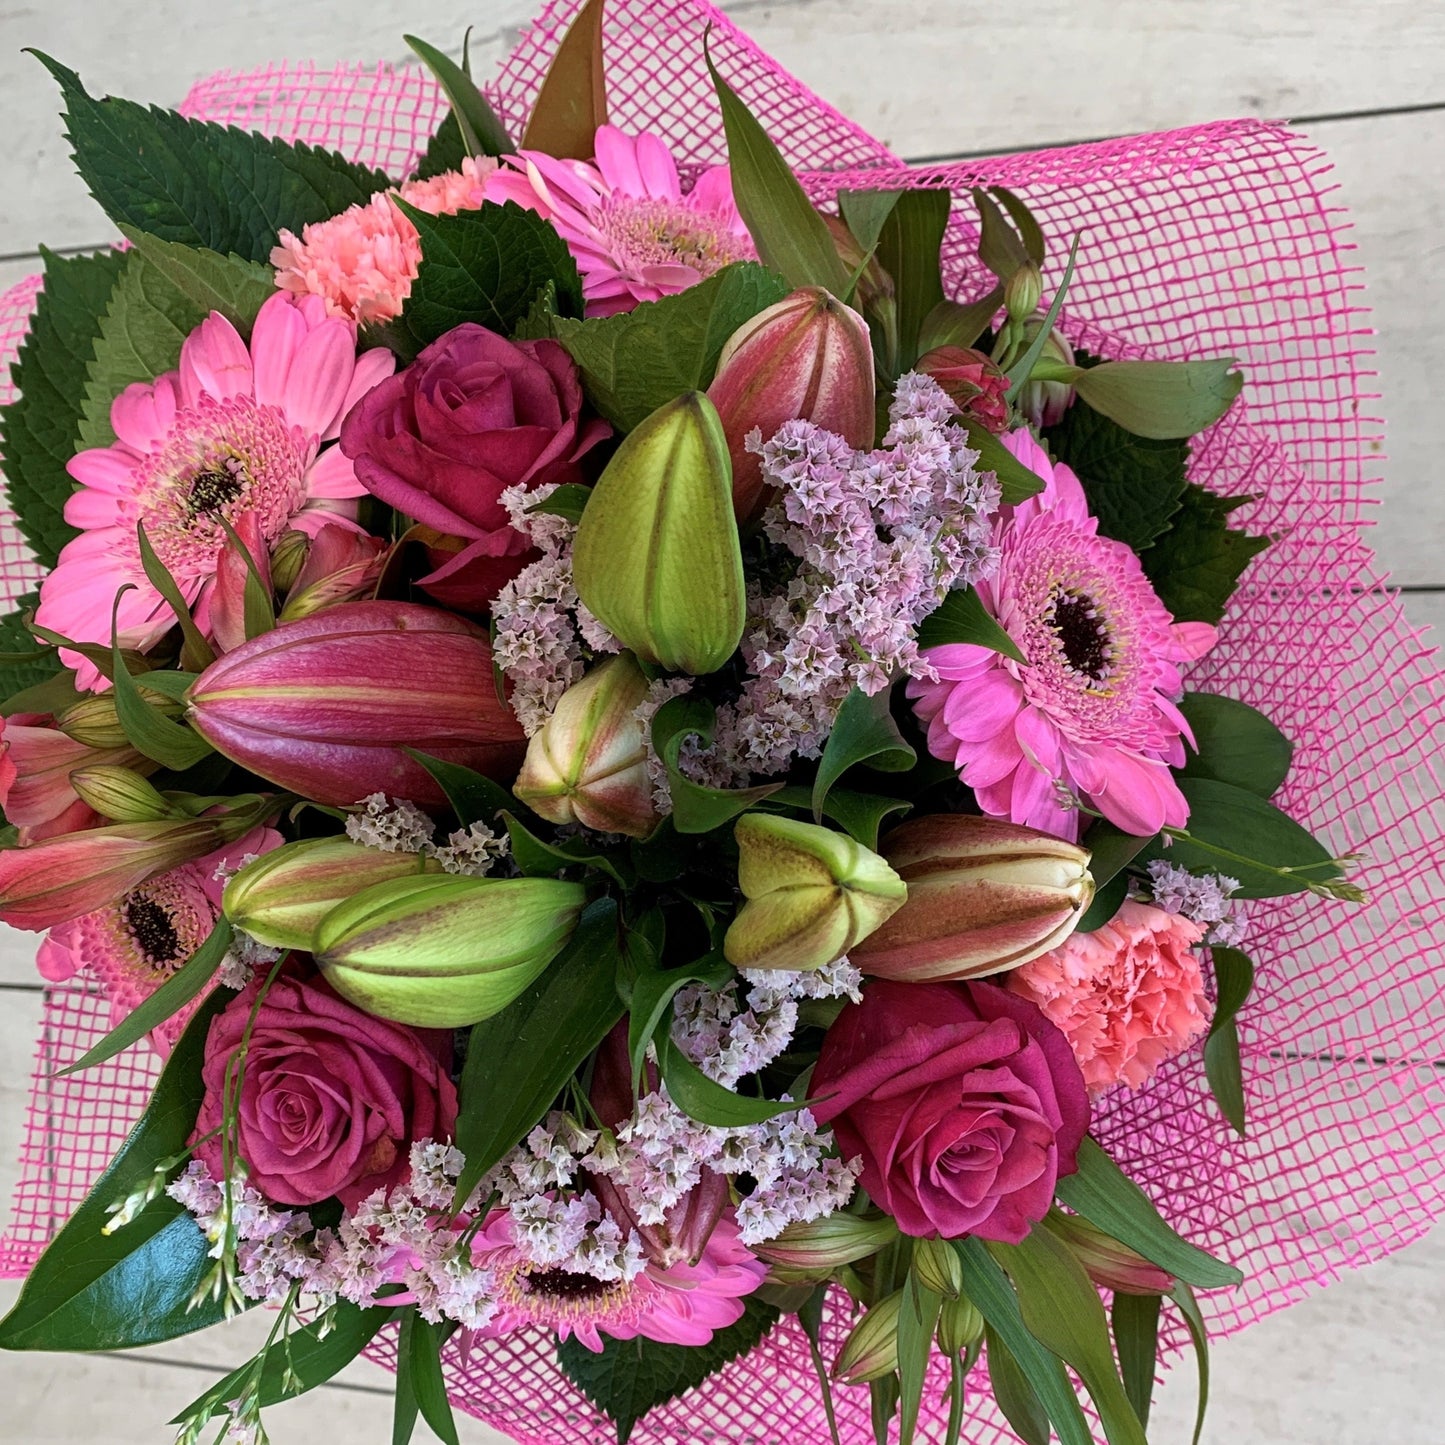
(93, 720)
(809, 357)
(871, 1350)
(288, 556)
(973, 383)
(121, 795)
(960, 1326)
(657, 558)
(244, 562)
(341, 566)
(1045, 402)
(588, 762)
(812, 894)
(281, 897)
(813, 1250)
(1021, 292)
(448, 951)
(875, 285)
(983, 896)
(937, 1266)
(1108, 1263)
(327, 706)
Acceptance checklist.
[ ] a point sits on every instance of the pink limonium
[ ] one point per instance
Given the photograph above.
(237, 429)
(634, 234)
(1092, 715)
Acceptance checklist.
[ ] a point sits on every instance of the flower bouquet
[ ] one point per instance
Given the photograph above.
(654, 746)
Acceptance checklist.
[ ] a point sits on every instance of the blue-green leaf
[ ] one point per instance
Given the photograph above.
(1235, 744)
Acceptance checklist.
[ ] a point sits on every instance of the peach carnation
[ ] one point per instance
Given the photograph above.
(1127, 997)
(362, 262)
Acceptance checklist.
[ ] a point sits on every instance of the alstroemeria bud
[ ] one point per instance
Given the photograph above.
(588, 762)
(809, 357)
(288, 556)
(812, 894)
(936, 1263)
(445, 952)
(340, 566)
(94, 722)
(1045, 402)
(657, 557)
(812, 1251)
(121, 795)
(960, 1326)
(983, 896)
(1108, 1263)
(973, 382)
(326, 706)
(243, 561)
(871, 1350)
(1021, 292)
(281, 897)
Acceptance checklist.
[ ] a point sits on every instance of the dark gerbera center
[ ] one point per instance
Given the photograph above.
(565, 1284)
(152, 928)
(214, 487)
(1082, 634)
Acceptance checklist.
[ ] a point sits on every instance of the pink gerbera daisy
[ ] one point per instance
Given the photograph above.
(1092, 714)
(633, 232)
(235, 430)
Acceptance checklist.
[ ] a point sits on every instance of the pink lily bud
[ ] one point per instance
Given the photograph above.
(807, 357)
(1108, 1263)
(326, 706)
(233, 571)
(341, 565)
(983, 896)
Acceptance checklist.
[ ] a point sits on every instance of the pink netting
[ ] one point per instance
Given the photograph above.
(1220, 238)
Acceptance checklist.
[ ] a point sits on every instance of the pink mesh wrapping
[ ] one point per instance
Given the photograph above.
(1217, 239)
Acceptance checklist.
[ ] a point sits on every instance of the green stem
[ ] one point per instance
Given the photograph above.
(1340, 890)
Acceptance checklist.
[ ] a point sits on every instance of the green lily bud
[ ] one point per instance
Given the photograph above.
(960, 1326)
(281, 897)
(1110, 1264)
(121, 795)
(94, 721)
(448, 951)
(657, 558)
(1045, 402)
(1021, 292)
(937, 1266)
(812, 894)
(871, 1351)
(812, 1251)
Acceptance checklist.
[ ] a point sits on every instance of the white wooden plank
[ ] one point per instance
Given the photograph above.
(19, 1029)
(17, 956)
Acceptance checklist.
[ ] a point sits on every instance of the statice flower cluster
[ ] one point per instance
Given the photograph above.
(1203, 898)
(398, 826)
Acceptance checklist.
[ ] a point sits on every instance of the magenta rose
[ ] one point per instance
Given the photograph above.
(441, 439)
(964, 1107)
(332, 1099)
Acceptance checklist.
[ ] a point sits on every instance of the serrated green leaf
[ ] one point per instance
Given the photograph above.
(634, 362)
(27, 665)
(627, 1378)
(1235, 744)
(444, 152)
(572, 102)
(482, 133)
(1134, 485)
(1134, 1319)
(909, 251)
(695, 808)
(1196, 565)
(864, 732)
(1233, 979)
(962, 617)
(1161, 399)
(700, 1098)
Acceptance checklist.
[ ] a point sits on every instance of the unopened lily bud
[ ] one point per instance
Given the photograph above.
(657, 558)
(813, 1250)
(871, 1350)
(937, 1266)
(588, 762)
(875, 285)
(1022, 291)
(448, 951)
(281, 897)
(1045, 402)
(960, 1326)
(808, 357)
(121, 795)
(1108, 1263)
(983, 896)
(94, 721)
(812, 894)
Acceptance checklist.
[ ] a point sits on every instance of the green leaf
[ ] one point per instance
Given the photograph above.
(404, 1409)
(1108, 1198)
(1196, 565)
(952, 323)
(26, 665)
(445, 151)
(1161, 399)
(569, 500)
(917, 1319)
(1238, 833)
(1183, 1296)
(422, 1344)
(1063, 1311)
(1015, 1397)
(1019, 372)
(483, 266)
(1027, 226)
(1108, 899)
(635, 361)
(37, 429)
(863, 732)
(908, 250)
(999, 245)
(1233, 979)
(653, 989)
(627, 1378)
(1135, 1322)
(314, 1354)
(186, 983)
(1235, 744)
(961, 617)
(93, 1291)
(474, 797)
(537, 858)
(1133, 484)
(197, 653)
(860, 814)
(572, 103)
(865, 212)
(198, 183)
(1016, 482)
(1111, 850)
(52, 694)
(520, 1059)
(695, 808)
(481, 132)
(541, 318)
(989, 1288)
(172, 745)
(700, 1098)
(791, 237)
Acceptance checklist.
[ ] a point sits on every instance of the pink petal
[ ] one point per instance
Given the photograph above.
(141, 415)
(1038, 739)
(981, 709)
(714, 192)
(333, 475)
(214, 362)
(958, 660)
(320, 376)
(372, 368)
(279, 331)
(616, 156)
(106, 469)
(992, 761)
(657, 168)
(1139, 796)
(91, 507)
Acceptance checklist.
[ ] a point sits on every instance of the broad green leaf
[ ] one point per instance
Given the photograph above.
(474, 797)
(626, 1378)
(999, 245)
(422, 1343)
(1015, 481)
(709, 1103)
(482, 133)
(27, 665)
(520, 1059)
(1135, 1322)
(1196, 565)
(860, 814)
(695, 808)
(38, 428)
(1108, 1198)
(569, 500)
(865, 212)
(908, 250)
(1108, 899)
(235, 287)
(572, 103)
(917, 1319)
(186, 983)
(953, 323)
(1161, 399)
(863, 732)
(635, 361)
(1111, 849)
(1233, 979)
(962, 617)
(1019, 372)
(1235, 744)
(198, 183)
(1015, 1397)
(404, 1409)
(790, 235)
(1024, 222)
(1183, 1297)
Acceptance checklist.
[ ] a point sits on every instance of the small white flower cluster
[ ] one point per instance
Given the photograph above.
(1203, 898)
(571, 1233)
(662, 690)
(243, 958)
(397, 826)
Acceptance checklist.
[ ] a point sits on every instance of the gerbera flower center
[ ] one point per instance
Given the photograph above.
(210, 491)
(643, 233)
(565, 1284)
(153, 929)
(1083, 635)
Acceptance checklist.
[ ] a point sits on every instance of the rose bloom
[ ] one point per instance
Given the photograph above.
(1128, 996)
(472, 415)
(331, 1098)
(963, 1101)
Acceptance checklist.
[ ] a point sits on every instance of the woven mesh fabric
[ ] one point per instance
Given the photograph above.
(1217, 239)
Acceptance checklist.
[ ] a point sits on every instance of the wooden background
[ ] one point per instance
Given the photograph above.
(932, 78)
